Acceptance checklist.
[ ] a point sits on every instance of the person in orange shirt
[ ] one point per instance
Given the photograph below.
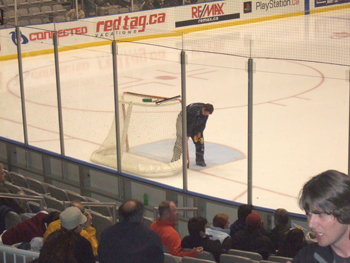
(164, 226)
(88, 232)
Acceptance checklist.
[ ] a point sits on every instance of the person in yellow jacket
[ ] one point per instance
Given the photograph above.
(88, 232)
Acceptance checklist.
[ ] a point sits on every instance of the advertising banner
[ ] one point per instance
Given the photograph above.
(263, 8)
(204, 13)
(323, 3)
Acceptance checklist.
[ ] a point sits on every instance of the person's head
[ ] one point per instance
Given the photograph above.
(52, 216)
(79, 7)
(59, 247)
(221, 220)
(77, 204)
(254, 220)
(167, 211)
(207, 109)
(196, 226)
(157, 4)
(131, 211)
(2, 174)
(326, 200)
(295, 240)
(281, 217)
(72, 219)
(244, 211)
(295, 237)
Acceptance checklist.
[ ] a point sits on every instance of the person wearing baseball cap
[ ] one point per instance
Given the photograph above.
(251, 239)
(66, 244)
(89, 232)
(72, 218)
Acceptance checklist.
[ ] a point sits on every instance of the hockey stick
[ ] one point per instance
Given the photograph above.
(172, 98)
(188, 156)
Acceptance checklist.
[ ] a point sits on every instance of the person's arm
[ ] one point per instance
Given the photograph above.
(238, 241)
(70, 14)
(81, 14)
(192, 113)
(10, 236)
(185, 243)
(173, 244)
(201, 127)
(227, 244)
(83, 251)
(90, 234)
(52, 227)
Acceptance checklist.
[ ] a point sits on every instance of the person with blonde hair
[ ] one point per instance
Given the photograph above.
(220, 231)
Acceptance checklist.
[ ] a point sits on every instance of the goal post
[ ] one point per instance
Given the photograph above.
(147, 136)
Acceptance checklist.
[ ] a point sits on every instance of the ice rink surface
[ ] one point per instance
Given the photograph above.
(300, 113)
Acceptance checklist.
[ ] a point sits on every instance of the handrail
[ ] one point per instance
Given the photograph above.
(194, 209)
(20, 252)
(25, 197)
(109, 204)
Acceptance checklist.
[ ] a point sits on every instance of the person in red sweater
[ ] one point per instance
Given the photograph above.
(164, 226)
(30, 228)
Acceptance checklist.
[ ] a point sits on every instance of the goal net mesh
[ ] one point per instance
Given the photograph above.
(148, 134)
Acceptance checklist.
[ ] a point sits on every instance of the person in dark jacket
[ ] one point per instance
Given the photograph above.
(240, 224)
(198, 238)
(326, 200)
(294, 241)
(279, 233)
(252, 239)
(128, 240)
(197, 116)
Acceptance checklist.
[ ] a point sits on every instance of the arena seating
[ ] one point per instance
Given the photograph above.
(247, 254)
(195, 260)
(227, 258)
(18, 179)
(279, 259)
(56, 198)
(205, 255)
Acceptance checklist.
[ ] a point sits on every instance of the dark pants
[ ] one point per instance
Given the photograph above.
(177, 151)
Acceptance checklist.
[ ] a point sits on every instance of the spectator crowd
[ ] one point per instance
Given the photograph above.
(69, 236)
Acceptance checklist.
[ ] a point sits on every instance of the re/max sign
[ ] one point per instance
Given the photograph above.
(207, 10)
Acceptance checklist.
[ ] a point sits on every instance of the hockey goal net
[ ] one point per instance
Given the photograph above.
(148, 134)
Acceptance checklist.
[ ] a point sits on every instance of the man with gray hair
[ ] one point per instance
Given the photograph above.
(279, 233)
(128, 240)
(325, 198)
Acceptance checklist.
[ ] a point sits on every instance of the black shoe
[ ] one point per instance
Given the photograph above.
(201, 163)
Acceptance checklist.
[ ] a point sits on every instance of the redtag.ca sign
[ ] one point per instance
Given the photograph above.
(128, 24)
